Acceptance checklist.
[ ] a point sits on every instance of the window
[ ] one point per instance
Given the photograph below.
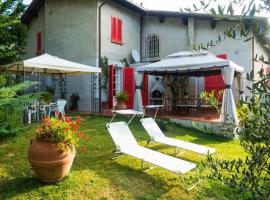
(151, 51)
(39, 43)
(117, 84)
(116, 30)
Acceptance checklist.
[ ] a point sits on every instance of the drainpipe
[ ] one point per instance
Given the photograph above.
(99, 50)
(141, 35)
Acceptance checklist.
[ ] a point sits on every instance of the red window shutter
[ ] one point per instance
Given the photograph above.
(215, 82)
(119, 31)
(39, 43)
(116, 30)
(129, 85)
(145, 90)
(222, 56)
(113, 29)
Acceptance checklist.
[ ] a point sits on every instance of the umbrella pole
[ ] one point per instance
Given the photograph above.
(38, 81)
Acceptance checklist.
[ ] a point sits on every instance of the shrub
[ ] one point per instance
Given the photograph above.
(212, 99)
(12, 104)
(121, 97)
(252, 174)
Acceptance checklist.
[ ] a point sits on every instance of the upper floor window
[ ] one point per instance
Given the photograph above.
(116, 30)
(39, 43)
(151, 51)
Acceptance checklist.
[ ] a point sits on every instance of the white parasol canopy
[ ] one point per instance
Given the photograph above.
(49, 64)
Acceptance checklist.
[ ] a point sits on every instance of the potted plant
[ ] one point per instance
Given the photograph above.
(121, 99)
(74, 98)
(52, 152)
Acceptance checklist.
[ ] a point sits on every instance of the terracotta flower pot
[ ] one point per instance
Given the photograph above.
(48, 162)
(121, 106)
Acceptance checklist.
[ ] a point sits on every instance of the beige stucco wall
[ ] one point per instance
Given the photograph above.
(71, 29)
(36, 25)
(238, 51)
(260, 51)
(130, 32)
(130, 35)
(172, 34)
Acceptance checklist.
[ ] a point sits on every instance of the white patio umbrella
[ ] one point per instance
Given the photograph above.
(48, 64)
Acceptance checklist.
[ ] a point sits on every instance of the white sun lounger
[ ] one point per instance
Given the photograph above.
(126, 144)
(157, 135)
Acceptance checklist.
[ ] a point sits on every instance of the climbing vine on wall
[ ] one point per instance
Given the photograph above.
(105, 73)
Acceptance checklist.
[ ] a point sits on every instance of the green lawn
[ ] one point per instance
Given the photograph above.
(95, 176)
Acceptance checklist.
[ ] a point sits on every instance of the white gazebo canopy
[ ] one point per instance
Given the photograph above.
(48, 64)
(189, 62)
(197, 64)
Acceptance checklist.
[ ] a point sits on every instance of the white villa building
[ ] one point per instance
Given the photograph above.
(70, 30)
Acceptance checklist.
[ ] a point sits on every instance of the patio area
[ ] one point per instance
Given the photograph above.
(95, 176)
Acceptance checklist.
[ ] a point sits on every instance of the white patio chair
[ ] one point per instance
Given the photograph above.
(126, 144)
(59, 106)
(32, 110)
(156, 135)
(61, 103)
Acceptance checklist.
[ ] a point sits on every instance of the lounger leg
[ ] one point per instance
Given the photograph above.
(179, 151)
(117, 154)
(148, 142)
(149, 168)
(142, 164)
(189, 188)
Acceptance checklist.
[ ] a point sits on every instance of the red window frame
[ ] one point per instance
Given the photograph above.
(39, 43)
(116, 30)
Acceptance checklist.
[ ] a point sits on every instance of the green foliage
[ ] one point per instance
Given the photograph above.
(119, 179)
(125, 62)
(46, 96)
(242, 111)
(211, 98)
(11, 104)
(245, 27)
(121, 97)
(252, 174)
(12, 31)
(179, 86)
(105, 73)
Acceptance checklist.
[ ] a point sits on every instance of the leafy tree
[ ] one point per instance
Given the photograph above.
(252, 174)
(12, 104)
(246, 27)
(12, 31)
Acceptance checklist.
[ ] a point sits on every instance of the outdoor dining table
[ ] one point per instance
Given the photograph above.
(191, 103)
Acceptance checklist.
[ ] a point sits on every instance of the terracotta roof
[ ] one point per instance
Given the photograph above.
(35, 5)
(31, 11)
